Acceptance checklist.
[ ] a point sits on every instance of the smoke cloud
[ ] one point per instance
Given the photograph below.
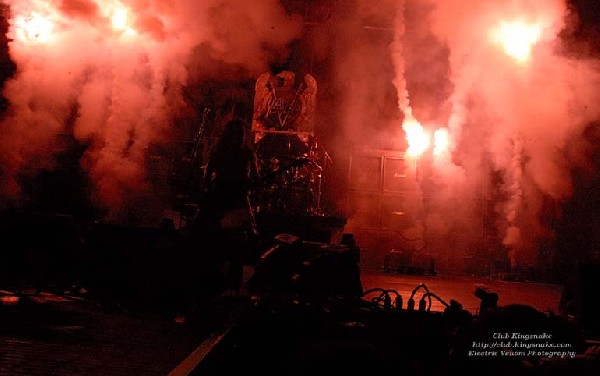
(514, 113)
(111, 73)
(528, 111)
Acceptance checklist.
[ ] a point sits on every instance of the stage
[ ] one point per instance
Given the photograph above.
(67, 281)
(542, 296)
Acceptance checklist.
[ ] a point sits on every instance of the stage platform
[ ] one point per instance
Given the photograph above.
(73, 334)
(542, 296)
(309, 227)
(106, 299)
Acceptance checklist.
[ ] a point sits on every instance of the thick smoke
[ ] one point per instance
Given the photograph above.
(513, 121)
(514, 118)
(111, 74)
(361, 33)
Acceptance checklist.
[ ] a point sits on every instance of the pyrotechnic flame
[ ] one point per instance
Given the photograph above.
(33, 29)
(119, 16)
(441, 142)
(517, 39)
(119, 19)
(38, 25)
(418, 140)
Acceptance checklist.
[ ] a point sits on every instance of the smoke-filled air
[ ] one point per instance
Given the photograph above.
(112, 73)
(504, 133)
(490, 93)
(493, 98)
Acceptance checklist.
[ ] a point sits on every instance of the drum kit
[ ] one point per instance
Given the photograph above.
(294, 164)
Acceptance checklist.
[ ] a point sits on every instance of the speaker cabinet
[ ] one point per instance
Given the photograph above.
(365, 209)
(396, 176)
(365, 173)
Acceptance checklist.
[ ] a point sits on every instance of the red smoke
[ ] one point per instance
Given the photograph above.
(516, 103)
(496, 78)
(111, 73)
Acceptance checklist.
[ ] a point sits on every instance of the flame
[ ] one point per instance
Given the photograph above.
(441, 142)
(119, 19)
(34, 29)
(37, 24)
(418, 140)
(119, 16)
(517, 39)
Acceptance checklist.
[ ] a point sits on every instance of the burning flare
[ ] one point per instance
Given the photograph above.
(119, 16)
(441, 142)
(119, 19)
(517, 39)
(37, 23)
(418, 140)
(33, 29)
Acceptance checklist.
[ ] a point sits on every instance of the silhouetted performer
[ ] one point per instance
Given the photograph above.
(230, 174)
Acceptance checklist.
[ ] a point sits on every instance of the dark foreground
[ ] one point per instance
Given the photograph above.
(110, 300)
(288, 334)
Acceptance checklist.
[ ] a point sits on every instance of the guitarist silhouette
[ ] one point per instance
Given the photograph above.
(225, 216)
(225, 213)
(231, 176)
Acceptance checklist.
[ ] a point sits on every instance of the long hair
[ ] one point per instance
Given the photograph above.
(233, 136)
(232, 157)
